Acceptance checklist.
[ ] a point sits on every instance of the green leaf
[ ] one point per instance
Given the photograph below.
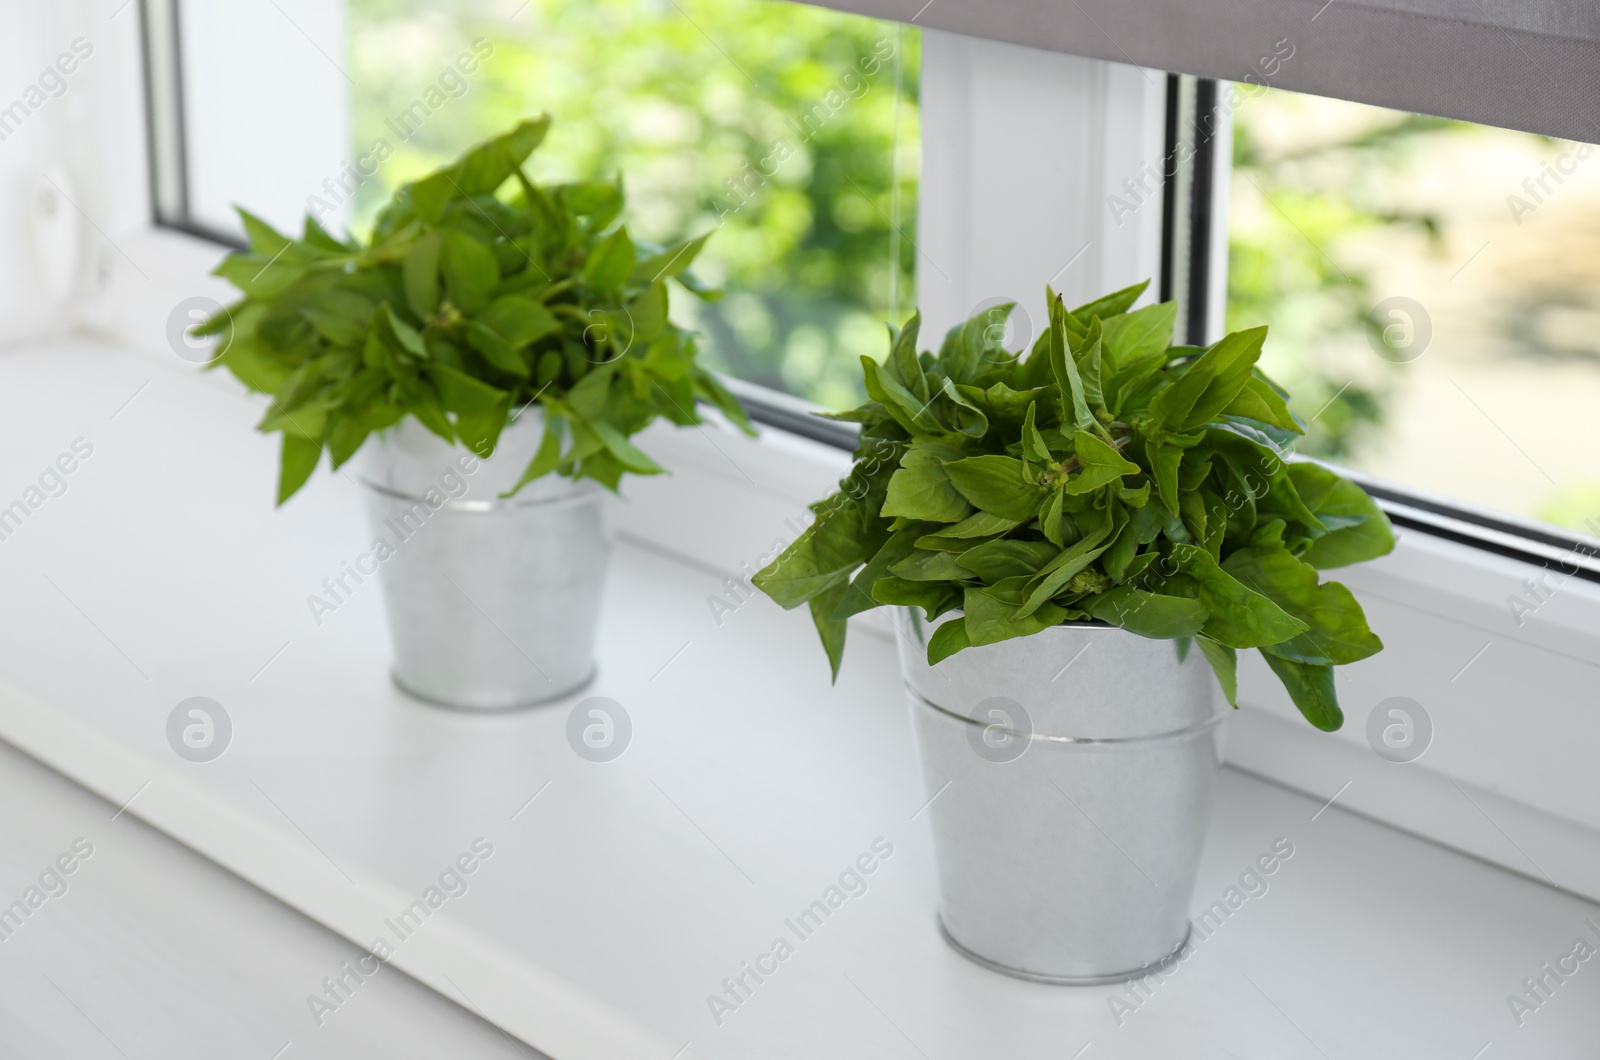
(908, 410)
(610, 263)
(628, 454)
(460, 392)
(1074, 404)
(1143, 333)
(1358, 529)
(1210, 384)
(1055, 575)
(670, 262)
(921, 489)
(903, 364)
(407, 337)
(420, 273)
(924, 566)
(900, 545)
(995, 561)
(1164, 461)
(1102, 464)
(1225, 664)
(1258, 401)
(478, 172)
(297, 461)
(496, 349)
(948, 639)
(520, 320)
(1311, 688)
(1238, 616)
(996, 484)
(1112, 304)
(1033, 444)
(547, 458)
(935, 598)
(831, 631)
(991, 613)
(470, 269)
(1336, 632)
(264, 239)
(1149, 614)
(976, 525)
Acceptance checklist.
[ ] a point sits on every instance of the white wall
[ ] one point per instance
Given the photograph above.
(48, 245)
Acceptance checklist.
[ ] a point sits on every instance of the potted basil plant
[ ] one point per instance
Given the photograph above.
(489, 352)
(1065, 534)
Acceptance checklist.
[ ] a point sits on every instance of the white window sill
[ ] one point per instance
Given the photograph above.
(623, 894)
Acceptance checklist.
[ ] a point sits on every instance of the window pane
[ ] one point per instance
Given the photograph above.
(1433, 289)
(781, 126)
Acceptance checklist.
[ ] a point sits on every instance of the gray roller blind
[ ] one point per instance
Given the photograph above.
(1523, 64)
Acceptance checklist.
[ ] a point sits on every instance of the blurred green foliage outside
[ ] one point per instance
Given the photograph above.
(776, 124)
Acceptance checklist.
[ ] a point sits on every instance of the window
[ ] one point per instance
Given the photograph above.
(1424, 278)
(1431, 286)
(791, 130)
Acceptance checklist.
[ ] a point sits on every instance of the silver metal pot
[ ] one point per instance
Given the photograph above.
(493, 603)
(1071, 775)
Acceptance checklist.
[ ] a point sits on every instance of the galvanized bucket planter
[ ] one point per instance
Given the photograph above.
(1071, 774)
(493, 602)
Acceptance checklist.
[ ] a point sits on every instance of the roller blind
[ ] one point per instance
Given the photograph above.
(1532, 65)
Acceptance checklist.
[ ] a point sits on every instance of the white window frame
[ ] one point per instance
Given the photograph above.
(1509, 775)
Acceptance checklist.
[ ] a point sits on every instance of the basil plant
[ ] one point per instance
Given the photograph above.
(1107, 476)
(479, 293)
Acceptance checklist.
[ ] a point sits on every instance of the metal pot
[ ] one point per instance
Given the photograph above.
(493, 602)
(1071, 776)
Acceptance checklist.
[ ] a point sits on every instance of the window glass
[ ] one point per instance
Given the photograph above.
(790, 130)
(1433, 289)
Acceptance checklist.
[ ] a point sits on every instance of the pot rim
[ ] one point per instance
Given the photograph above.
(1079, 741)
(584, 492)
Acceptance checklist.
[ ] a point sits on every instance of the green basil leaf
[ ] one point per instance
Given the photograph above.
(976, 525)
(419, 271)
(991, 613)
(547, 458)
(610, 263)
(519, 320)
(1209, 384)
(1133, 337)
(298, 460)
(1225, 664)
(1258, 401)
(1112, 304)
(470, 269)
(996, 484)
(948, 639)
(831, 631)
(994, 561)
(1336, 629)
(461, 393)
(1364, 533)
(1311, 688)
(478, 172)
(1149, 614)
(935, 598)
(925, 566)
(920, 488)
(1239, 617)
(670, 262)
(900, 545)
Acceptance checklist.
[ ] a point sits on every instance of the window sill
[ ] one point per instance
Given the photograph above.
(620, 895)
